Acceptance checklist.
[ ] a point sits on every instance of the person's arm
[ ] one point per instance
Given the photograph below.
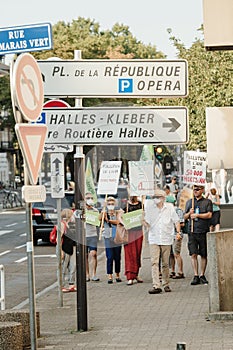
(178, 233)
(207, 215)
(217, 200)
(188, 215)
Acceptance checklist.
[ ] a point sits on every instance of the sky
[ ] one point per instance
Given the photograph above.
(148, 20)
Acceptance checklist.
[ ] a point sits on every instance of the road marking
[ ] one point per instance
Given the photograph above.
(36, 256)
(21, 260)
(45, 256)
(20, 246)
(9, 225)
(5, 252)
(3, 232)
(23, 234)
(15, 212)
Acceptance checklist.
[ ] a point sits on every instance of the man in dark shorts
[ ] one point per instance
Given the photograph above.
(198, 212)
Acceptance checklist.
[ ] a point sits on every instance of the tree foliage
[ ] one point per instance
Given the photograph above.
(210, 85)
(210, 73)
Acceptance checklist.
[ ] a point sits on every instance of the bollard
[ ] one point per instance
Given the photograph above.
(180, 346)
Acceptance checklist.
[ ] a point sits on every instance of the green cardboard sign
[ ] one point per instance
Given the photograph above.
(92, 218)
(132, 219)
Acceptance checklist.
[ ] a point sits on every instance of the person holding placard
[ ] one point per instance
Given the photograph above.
(198, 212)
(91, 238)
(109, 218)
(133, 248)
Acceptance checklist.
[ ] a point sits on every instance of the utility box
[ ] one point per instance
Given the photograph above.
(220, 263)
(218, 24)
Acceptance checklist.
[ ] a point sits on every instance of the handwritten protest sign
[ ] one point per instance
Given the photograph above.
(109, 177)
(132, 219)
(141, 177)
(194, 168)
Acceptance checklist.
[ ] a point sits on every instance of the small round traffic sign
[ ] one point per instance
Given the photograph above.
(28, 86)
(56, 103)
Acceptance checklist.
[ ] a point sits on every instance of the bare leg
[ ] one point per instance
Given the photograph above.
(194, 264)
(93, 255)
(203, 265)
(179, 261)
(87, 267)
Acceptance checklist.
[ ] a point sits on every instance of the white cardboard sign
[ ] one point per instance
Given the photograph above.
(109, 177)
(141, 177)
(194, 168)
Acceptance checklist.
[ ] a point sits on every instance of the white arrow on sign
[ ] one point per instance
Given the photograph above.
(115, 78)
(147, 125)
(57, 175)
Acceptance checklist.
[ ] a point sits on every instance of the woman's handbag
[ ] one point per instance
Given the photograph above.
(122, 235)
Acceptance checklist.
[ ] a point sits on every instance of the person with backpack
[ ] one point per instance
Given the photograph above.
(68, 256)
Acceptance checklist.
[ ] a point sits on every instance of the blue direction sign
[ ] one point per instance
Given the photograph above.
(27, 38)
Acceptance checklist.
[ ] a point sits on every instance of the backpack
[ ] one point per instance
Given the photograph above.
(53, 235)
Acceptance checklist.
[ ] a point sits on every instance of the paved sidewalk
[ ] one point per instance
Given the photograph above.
(127, 317)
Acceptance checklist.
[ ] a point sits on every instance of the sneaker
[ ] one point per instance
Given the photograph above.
(130, 283)
(95, 279)
(118, 279)
(195, 281)
(155, 290)
(203, 280)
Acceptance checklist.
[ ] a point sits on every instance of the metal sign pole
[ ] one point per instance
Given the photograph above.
(79, 177)
(58, 251)
(31, 274)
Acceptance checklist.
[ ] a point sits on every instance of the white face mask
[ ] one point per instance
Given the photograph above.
(110, 207)
(90, 202)
(157, 200)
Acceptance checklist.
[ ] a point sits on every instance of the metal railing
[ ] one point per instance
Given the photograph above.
(2, 297)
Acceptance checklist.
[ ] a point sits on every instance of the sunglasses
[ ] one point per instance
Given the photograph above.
(89, 198)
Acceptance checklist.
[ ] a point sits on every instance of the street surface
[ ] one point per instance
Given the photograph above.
(13, 256)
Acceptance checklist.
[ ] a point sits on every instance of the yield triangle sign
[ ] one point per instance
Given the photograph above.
(31, 138)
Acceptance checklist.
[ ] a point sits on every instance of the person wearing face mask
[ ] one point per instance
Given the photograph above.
(160, 218)
(91, 241)
(133, 248)
(110, 218)
(68, 258)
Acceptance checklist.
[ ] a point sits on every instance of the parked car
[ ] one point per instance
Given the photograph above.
(44, 215)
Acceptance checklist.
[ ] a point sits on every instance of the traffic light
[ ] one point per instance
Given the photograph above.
(159, 153)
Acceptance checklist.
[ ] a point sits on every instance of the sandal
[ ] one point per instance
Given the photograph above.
(73, 289)
(139, 280)
(178, 276)
(172, 274)
(130, 283)
(65, 290)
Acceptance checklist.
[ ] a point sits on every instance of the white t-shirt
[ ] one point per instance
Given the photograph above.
(161, 221)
